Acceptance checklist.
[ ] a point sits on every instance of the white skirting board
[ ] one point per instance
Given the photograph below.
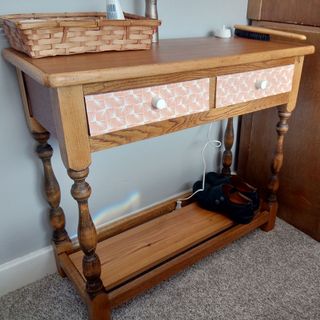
(19, 272)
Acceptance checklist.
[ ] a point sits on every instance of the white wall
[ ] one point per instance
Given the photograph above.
(123, 179)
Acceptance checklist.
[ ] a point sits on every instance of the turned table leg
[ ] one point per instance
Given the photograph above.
(228, 143)
(273, 186)
(60, 236)
(99, 308)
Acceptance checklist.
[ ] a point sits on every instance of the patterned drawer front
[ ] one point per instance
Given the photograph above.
(246, 86)
(125, 109)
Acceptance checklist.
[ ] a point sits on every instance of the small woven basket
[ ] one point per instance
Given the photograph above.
(43, 35)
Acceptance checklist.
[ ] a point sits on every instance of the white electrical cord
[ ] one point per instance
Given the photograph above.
(217, 144)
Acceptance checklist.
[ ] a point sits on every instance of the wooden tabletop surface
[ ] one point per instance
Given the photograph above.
(169, 56)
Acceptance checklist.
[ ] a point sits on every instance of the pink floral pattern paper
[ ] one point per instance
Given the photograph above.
(114, 111)
(241, 87)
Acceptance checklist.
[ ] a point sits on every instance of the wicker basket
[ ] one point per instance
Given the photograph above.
(42, 35)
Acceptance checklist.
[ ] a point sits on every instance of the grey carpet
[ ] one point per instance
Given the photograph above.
(265, 276)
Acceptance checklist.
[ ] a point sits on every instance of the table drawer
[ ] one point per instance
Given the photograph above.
(242, 87)
(114, 111)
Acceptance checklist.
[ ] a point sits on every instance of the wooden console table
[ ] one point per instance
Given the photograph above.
(92, 102)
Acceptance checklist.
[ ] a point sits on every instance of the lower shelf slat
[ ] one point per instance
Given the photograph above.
(223, 232)
(171, 267)
(139, 249)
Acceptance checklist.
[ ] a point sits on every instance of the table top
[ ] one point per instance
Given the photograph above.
(169, 56)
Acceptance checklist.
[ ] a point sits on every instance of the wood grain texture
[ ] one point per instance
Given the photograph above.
(141, 248)
(212, 93)
(228, 143)
(298, 195)
(99, 305)
(33, 125)
(71, 126)
(171, 56)
(133, 220)
(288, 11)
(273, 211)
(99, 308)
(156, 275)
(276, 165)
(277, 161)
(75, 276)
(159, 128)
(139, 218)
(87, 235)
(53, 196)
(119, 85)
(254, 9)
(134, 256)
(182, 261)
(295, 84)
(39, 98)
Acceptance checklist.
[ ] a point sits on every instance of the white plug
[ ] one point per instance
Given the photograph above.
(178, 204)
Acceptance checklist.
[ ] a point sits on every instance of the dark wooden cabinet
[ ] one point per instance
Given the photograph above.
(298, 12)
(299, 193)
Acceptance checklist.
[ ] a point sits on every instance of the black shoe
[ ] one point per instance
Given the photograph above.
(215, 179)
(226, 199)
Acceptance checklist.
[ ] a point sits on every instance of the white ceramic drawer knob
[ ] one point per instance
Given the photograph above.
(262, 84)
(158, 103)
